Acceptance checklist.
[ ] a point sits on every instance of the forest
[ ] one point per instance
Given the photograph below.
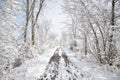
(59, 39)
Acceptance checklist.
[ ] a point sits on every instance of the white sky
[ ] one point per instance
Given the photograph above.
(55, 13)
(52, 11)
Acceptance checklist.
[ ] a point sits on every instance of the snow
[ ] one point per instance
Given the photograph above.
(32, 69)
(37, 66)
(91, 71)
(74, 67)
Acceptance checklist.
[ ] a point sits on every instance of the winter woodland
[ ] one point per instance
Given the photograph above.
(59, 39)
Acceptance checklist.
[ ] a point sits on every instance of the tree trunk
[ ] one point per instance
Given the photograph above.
(33, 28)
(85, 44)
(111, 49)
(113, 13)
(35, 21)
(27, 21)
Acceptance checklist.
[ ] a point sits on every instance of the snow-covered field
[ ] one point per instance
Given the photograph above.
(63, 64)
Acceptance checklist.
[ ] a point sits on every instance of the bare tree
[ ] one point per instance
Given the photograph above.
(112, 51)
(31, 15)
(87, 13)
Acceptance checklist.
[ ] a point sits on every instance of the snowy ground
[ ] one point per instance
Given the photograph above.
(63, 64)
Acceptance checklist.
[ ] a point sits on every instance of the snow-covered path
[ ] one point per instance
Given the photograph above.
(62, 64)
(60, 68)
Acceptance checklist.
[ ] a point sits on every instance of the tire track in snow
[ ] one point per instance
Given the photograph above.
(60, 68)
(51, 71)
(84, 75)
(75, 73)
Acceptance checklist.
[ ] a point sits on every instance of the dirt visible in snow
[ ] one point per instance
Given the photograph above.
(52, 71)
(52, 68)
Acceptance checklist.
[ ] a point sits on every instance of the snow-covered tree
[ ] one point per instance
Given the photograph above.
(93, 20)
